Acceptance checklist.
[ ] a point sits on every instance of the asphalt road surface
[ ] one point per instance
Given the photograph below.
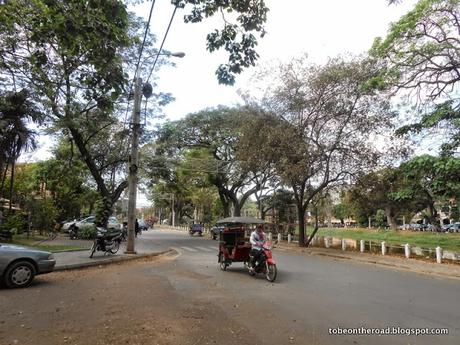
(312, 294)
(187, 299)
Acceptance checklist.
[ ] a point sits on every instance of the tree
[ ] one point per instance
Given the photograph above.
(317, 126)
(419, 55)
(76, 57)
(16, 110)
(237, 37)
(428, 181)
(217, 133)
(340, 211)
(377, 191)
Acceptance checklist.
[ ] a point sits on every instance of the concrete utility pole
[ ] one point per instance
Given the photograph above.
(173, 220)
(133, 166)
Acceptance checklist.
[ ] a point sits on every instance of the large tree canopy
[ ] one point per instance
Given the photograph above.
(217, 133)
(420, 57)
(317, 126)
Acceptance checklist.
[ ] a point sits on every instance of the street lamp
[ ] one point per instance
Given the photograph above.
(139, 90)
(177, 54)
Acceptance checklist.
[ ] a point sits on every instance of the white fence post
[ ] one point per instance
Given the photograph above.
(344, 244)
(361, 246)
(289, 238)
(279, 237)
(384, 248)
(326, 241)
(407, 250)
(438, 254)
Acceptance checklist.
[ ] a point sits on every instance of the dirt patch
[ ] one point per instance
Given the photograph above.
(125, 303)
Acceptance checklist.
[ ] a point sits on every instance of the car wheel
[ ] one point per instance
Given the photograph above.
(19, 275)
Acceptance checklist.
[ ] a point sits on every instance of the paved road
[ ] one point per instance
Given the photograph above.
(313, 294)
(188, 300)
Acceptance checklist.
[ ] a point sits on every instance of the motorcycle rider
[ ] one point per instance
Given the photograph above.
(257, 241)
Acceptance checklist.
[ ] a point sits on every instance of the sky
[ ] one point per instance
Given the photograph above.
(322, 29)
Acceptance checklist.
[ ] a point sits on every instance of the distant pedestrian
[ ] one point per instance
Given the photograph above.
(136, 228)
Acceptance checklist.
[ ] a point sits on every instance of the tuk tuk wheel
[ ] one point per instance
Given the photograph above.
(223, 263)
(271, 272)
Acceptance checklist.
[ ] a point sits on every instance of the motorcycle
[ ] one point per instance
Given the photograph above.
(265, 264)
(106, 241)
(73, 232)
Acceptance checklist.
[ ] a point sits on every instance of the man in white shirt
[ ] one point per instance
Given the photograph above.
(257, 241)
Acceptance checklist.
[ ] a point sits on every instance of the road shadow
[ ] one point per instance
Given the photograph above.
(281, 277)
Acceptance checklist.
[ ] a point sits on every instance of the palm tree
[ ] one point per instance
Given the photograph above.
(16, 111)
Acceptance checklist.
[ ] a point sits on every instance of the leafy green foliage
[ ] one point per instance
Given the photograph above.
(214, 135)
(43, 213)
(14, 223)
(88, 232)
(380, 219)
(237, 38)
(340, 211)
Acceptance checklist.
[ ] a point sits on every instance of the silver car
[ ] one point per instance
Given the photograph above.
(112, 223)
(19, 265)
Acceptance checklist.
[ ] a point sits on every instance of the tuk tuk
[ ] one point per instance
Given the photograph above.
(234, 245)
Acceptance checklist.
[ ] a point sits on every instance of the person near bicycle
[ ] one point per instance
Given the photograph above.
(257, 240)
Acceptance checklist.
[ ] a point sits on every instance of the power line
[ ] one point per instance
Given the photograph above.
(147, 26)
(145, 37)
(162, 43)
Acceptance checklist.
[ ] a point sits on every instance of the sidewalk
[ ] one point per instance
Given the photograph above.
(80, 258)
(445, 270)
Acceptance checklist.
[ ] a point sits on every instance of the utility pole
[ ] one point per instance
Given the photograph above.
(133, 166)
(173, 220)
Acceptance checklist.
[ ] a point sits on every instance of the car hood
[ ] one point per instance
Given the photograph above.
(14, 247)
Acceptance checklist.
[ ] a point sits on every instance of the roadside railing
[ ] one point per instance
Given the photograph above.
(383, 248)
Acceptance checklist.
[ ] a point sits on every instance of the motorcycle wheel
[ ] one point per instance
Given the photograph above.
(115, 247)
(271, 272)
(93, 249)
(223, 264)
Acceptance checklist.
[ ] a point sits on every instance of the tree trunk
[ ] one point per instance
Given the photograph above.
(108, 199)
(225, 204)
(315, 230)
(391, 218)
(301, 218)
(236, 209)
(13, 165)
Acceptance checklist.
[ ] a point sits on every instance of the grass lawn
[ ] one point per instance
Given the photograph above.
(38, 243)
(449, 241)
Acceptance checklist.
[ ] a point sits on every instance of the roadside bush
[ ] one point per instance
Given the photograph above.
(380, 219)
(88, 232)
(15, 223)
(43, 214)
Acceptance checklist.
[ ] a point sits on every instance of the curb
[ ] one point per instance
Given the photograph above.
(70, 250)
(115, 259)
